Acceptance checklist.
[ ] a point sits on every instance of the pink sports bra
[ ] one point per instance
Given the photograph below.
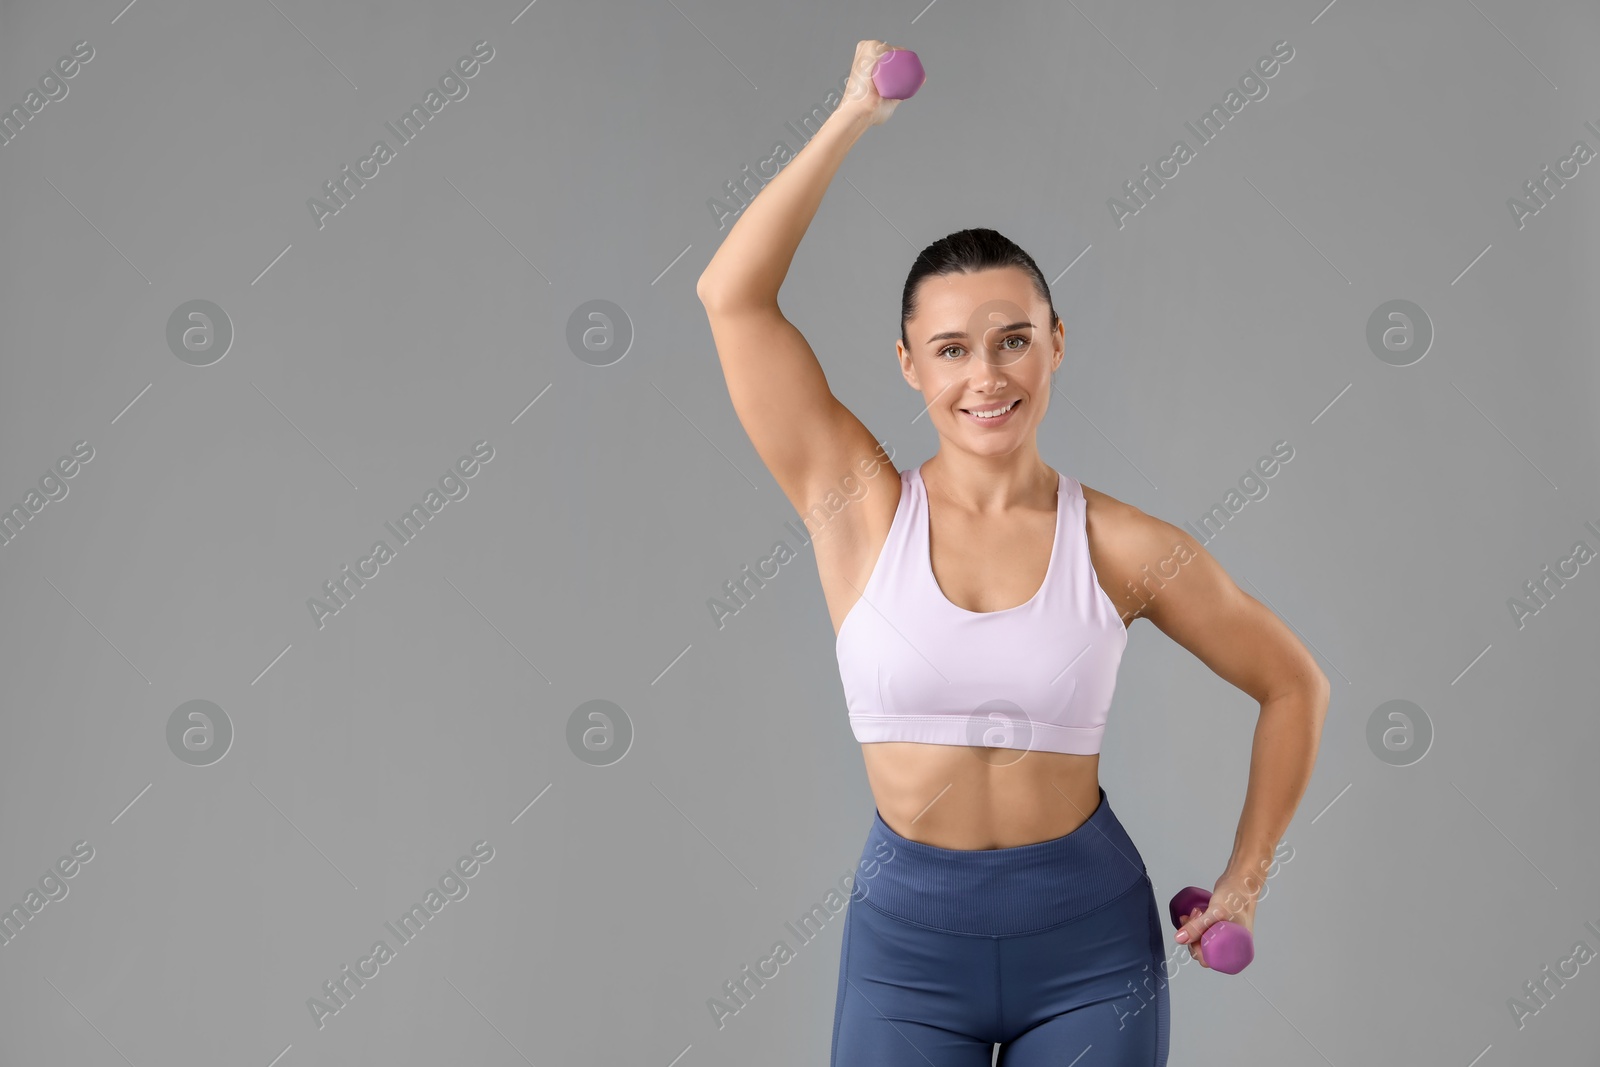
(1038, 676)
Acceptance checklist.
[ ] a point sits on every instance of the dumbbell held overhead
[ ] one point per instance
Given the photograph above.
(1228, 947)
(898, 74)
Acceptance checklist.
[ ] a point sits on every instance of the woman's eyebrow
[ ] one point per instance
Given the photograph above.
(960, 335)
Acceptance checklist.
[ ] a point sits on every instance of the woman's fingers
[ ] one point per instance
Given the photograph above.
(860, 91)
(1193, 944)
(859, 85)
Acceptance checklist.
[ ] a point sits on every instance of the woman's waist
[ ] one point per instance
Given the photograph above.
(972, 798)
(998, 891)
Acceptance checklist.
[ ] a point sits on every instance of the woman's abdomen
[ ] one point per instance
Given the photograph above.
(967, 797)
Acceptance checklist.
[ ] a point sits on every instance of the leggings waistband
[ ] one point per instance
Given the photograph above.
(999, 891)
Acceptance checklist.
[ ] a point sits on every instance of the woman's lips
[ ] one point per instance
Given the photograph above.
(993, 420)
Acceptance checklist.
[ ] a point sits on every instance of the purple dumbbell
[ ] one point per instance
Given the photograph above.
(899, 74)
(1228, 946)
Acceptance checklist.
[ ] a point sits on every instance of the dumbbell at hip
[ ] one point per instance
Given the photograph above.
(1228, 946)
(899, 74)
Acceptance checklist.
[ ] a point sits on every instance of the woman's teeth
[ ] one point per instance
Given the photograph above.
(993, 414)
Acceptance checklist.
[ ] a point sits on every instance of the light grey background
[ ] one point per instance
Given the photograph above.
(433, 711)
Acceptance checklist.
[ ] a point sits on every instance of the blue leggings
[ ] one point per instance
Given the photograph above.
(1053, 951)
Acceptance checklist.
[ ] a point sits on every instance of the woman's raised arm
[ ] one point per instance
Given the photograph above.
(801, 431)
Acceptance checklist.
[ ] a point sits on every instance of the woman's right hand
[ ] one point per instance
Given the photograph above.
(861, 96)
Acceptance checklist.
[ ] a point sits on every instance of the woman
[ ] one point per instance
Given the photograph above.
(981, 604)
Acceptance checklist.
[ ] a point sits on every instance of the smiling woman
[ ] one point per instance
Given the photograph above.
(981, 612)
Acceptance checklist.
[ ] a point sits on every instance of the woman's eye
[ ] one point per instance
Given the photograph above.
(1023, 344)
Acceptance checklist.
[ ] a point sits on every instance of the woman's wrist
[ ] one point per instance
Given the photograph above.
(1250, 866)
(851, 121)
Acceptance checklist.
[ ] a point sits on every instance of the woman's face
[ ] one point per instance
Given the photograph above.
(980, 342)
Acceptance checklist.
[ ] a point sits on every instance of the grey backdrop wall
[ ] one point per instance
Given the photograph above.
(217, 797)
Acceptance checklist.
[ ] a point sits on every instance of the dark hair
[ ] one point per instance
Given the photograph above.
(966, 252)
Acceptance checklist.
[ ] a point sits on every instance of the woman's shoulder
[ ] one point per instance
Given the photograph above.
(1126, 543)
(1109, 510)
(1124, 523)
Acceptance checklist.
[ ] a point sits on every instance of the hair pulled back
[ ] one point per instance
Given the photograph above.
(966, 252)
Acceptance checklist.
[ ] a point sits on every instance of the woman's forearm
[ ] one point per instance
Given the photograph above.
(755, 256)
(1281, 760)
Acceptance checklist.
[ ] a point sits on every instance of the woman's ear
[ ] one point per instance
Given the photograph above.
(908, 369)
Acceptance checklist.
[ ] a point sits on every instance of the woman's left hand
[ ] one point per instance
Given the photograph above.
(1232, 899)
